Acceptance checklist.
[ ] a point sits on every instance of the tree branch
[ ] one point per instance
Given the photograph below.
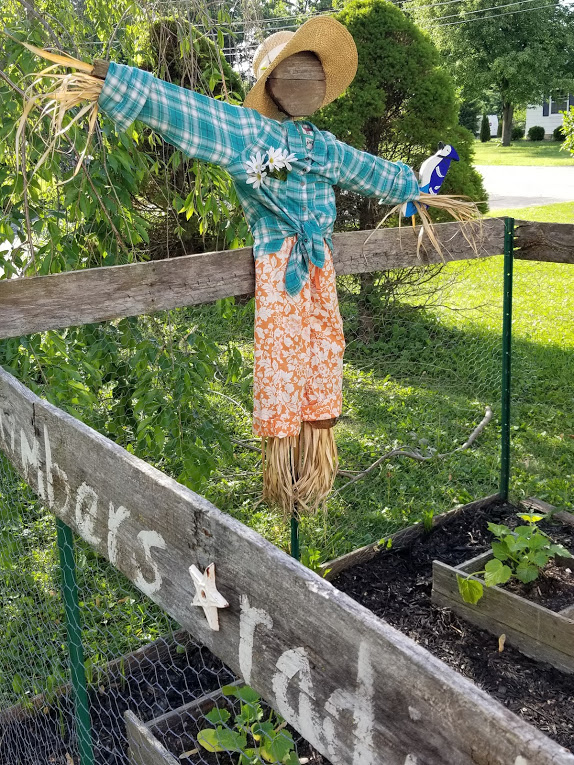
(415, 454)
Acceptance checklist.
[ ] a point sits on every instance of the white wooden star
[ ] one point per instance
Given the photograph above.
(207, 595)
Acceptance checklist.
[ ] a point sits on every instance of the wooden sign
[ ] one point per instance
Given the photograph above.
(359, 691)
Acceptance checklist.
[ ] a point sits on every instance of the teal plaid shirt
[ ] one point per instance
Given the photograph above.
(230, 136)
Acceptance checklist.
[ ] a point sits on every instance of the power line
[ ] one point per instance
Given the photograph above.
(493, 16)
(482, 10)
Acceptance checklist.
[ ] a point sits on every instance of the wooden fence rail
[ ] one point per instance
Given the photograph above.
(361, 692)
(101, 294)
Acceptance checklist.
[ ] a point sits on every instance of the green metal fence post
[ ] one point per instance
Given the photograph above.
(72, 608)
(295, 553)
(506, 357)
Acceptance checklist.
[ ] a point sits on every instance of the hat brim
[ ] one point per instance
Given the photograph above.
(335, 48)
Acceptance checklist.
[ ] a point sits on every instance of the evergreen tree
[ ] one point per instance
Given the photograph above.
(484, 129)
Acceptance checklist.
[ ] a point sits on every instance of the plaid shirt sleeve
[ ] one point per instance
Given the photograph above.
(359, 171)
(201, 127)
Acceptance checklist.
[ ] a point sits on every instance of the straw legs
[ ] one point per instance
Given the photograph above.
(297, 384)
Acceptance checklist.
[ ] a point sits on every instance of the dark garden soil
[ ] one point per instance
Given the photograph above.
(48, 737)
(554, 589)
(396, 585)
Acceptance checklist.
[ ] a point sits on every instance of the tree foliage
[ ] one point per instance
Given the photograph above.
(523, 56)
(400, 104)
(147, 381)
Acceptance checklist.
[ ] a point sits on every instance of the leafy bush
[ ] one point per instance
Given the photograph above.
(484, 129)
(568, 127)
(536, 133)
(558, 134)
(517, 133)
(400, 104)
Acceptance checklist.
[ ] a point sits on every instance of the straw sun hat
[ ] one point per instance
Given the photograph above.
(322, 35)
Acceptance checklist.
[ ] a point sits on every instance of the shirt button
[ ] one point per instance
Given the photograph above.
(304, 208)
(302, 183)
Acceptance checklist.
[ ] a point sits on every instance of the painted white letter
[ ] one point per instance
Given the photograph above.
(52, 469)
(31, 458)
(289, 664)
(150, 539)
(360, 703)
(85, 520)
(248, 621)
(115, 519)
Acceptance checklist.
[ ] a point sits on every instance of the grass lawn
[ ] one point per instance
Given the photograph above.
(563, 212)
(522, 152)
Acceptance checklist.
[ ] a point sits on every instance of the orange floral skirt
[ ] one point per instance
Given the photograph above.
(299, 345)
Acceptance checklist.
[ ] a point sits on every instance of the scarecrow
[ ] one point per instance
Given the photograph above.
(284, 170)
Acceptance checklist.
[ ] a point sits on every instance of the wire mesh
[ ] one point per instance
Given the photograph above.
(542, 424)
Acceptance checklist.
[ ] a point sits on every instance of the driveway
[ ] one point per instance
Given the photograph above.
(511, 186)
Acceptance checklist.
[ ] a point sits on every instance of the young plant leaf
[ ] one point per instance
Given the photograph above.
(526, 572)
(500, 550)
(499, 530)
(470, 590)
(531, 517)
(217, 716)
(221, 740)
(495, 572)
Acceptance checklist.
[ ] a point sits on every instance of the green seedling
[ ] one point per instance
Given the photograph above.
(521, 553)
(256, 740)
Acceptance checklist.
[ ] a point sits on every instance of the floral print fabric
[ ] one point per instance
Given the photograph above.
(299, 347)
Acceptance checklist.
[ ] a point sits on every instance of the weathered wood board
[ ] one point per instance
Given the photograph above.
(539, 506)
(551, 242)
(144, 748)
(400, 539)
(101, 294)
(536, 631)
(359, 691)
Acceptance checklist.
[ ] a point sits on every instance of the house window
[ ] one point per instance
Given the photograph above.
(559, 104)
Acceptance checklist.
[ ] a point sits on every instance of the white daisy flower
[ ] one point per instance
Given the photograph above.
(286, 159)
(275, 159)
(255, 164)
(256, 178)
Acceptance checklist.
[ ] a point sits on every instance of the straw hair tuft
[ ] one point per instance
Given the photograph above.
(299, 471)
(76, 89)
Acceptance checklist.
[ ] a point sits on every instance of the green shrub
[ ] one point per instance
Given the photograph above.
(517, 133)
(399, 106)
(536, 133)
(558, 134)
(484, 129)
(568, 128)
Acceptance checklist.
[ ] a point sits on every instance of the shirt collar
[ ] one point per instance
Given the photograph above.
(296, 142)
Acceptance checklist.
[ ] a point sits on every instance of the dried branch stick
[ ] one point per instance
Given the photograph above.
(415, 454)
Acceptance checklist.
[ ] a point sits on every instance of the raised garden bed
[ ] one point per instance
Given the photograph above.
(396, 584)
(536, 631)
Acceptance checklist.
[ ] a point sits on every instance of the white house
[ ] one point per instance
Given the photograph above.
(547, 115)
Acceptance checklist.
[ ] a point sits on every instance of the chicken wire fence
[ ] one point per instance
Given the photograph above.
(542, 420)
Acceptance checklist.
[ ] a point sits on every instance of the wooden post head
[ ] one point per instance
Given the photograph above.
(297, 84)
